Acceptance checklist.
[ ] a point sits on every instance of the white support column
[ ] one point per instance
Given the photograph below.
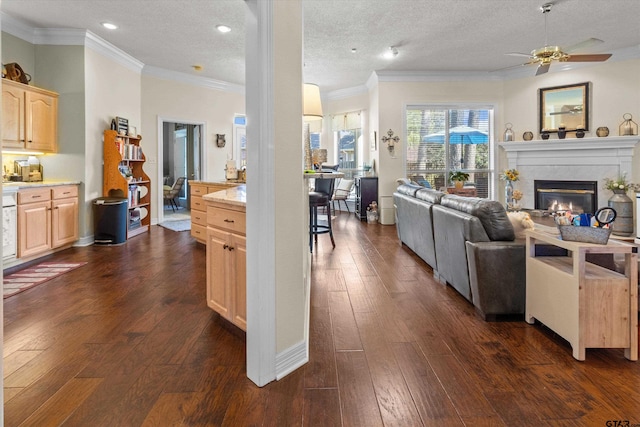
(275, 190)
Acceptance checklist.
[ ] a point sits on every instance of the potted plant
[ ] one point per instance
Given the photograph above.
(458, 178)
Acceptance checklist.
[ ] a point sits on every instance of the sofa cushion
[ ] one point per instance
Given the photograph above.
(491, 214)
(408, 189)
(429, 195)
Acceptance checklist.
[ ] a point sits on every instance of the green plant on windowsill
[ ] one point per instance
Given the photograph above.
(458, 178)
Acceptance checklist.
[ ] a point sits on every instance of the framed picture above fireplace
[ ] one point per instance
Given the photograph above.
(566, 106)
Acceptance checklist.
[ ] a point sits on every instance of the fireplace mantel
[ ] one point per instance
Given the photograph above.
(570, 159)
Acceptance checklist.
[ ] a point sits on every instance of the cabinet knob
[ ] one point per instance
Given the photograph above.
(225, 246)
(231, 248)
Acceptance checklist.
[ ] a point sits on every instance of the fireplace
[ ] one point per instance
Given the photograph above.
(559, 196)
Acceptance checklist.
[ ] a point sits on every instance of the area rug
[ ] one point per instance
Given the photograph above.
(180, 225)
(32, 276)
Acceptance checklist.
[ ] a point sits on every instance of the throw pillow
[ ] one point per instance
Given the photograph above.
(520, 221)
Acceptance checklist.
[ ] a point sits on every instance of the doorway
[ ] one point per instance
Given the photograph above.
(181, 158)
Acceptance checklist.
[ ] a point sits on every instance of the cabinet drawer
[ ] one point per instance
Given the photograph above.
(198, 190)
(197, 204)
(199, 232)
(65, 191)
(34, 195)
(226, 219)
(199, 217)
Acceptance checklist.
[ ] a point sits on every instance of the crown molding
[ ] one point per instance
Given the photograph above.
(434, 76)
(17, 28)
(346, 93)
(163, 73)
(100, 45)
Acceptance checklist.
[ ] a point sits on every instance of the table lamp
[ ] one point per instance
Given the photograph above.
(312, 110)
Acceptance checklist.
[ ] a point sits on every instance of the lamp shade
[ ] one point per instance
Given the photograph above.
(312, 109)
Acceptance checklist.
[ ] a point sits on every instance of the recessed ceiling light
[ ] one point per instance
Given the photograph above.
(354, 50)
(391, 53)
(109, 26)
(223, 28)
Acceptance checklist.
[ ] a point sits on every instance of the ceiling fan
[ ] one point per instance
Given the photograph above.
(544, 56)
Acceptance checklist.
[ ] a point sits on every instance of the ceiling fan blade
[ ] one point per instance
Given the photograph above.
(596, 57)
(543, 68)
(511, 67)
(526, 55)
(583, 45)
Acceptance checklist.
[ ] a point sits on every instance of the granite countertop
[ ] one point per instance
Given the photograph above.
(229, 182)
(236, 196)
(36, 184)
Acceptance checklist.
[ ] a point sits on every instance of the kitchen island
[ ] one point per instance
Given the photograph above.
(227, 253)
(197, 189)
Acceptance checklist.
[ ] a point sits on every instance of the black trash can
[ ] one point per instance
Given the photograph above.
(109, 220)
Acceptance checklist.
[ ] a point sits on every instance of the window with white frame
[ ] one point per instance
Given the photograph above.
(347, 135)
(445, 139)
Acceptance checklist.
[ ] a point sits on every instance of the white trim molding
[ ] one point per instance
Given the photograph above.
(291, 359)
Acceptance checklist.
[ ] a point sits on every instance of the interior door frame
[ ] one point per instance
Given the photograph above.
(159, 171)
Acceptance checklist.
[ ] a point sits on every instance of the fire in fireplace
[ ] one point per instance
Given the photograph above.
(560, 196)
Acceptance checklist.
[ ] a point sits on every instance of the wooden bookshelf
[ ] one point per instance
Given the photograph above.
(125, 177)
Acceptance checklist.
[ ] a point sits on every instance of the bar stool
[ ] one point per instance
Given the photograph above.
(320, 197)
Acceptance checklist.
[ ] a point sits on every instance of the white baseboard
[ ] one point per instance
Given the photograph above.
(291, 359)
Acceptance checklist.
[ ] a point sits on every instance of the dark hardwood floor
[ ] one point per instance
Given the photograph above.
(128, 340)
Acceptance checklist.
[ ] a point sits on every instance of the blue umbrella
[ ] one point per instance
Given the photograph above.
(459, 135)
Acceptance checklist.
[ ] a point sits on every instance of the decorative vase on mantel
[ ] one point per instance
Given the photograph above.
(623, 205)
(508, 194)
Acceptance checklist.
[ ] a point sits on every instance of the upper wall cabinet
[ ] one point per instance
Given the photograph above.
(29, 118)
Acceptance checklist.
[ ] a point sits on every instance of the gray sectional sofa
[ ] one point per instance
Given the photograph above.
(470, 244)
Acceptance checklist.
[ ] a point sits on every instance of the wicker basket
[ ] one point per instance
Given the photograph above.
(585, 234)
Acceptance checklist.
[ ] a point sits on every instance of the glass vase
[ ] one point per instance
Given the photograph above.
(508, 194)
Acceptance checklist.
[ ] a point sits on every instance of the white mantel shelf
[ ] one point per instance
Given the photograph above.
(606, 143)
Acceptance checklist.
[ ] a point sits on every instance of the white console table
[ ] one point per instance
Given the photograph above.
(588, 305)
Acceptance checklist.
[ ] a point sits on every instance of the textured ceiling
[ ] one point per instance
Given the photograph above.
(431, 35)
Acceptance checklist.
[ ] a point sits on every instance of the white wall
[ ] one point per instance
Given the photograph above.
(615, 91)
(186, 103)
(111, 90)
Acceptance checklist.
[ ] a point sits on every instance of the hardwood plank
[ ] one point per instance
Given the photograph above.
(172, 409)
(357, 396)
(320, 371)
(58, 408)
(432, 401)
(394, 399)
(343, 324)
(17, 359)
(322, 407)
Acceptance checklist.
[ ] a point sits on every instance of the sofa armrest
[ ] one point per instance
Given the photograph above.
(497, 276)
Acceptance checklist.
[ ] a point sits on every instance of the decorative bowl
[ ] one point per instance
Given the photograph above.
(573, 233)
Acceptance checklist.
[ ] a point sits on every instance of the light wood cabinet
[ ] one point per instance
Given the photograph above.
(125, 177)
(47, 219)
(588, 305)
(29, 118)
(226, 263)
(197, 189)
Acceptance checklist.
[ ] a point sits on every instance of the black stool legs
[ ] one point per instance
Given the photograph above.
(317, 200)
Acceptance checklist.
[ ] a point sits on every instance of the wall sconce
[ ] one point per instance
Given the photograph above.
(390, 140)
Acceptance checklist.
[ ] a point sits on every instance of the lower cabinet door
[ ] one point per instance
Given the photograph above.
(218, 297)
(34, 232)
(64, 221)
(239, 281)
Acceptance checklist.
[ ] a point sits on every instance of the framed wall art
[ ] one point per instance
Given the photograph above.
(566, 106)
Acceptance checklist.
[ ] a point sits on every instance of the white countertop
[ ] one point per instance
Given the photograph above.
(236, 196)
(21, 184)
(324, 175)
